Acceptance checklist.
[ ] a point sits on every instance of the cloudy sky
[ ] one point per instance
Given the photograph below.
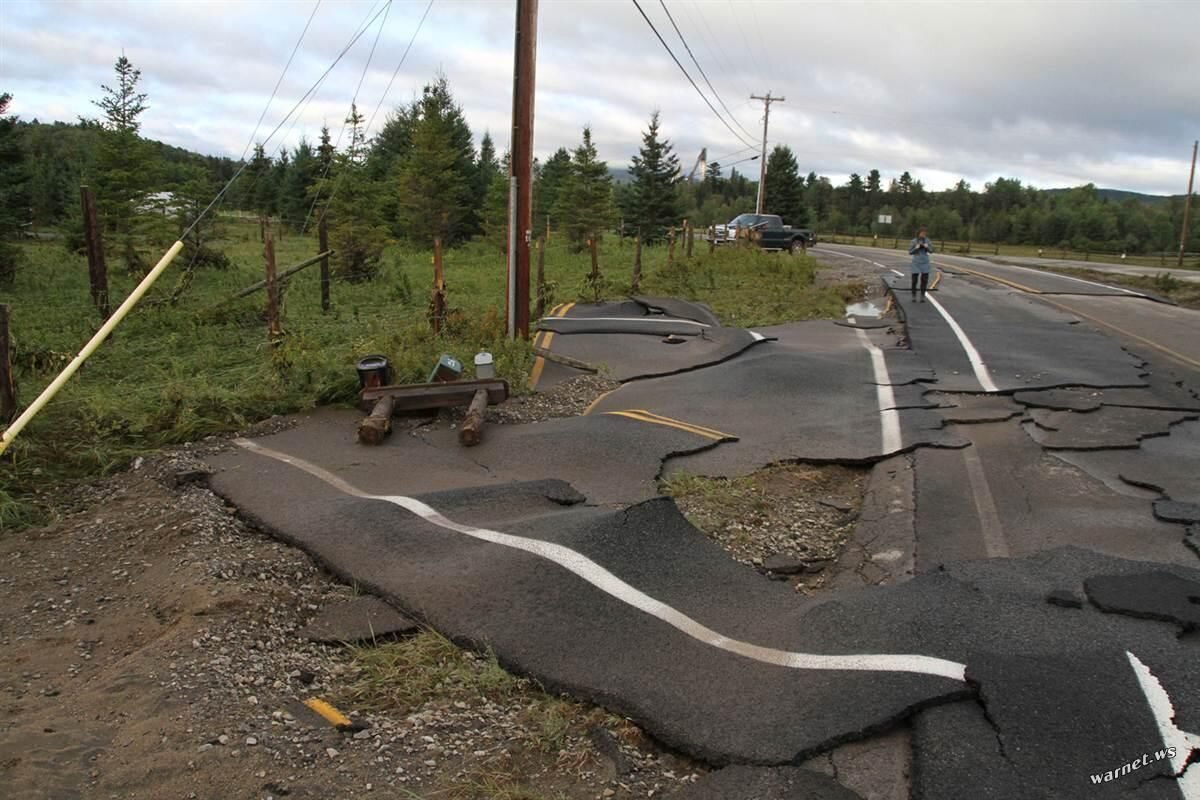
(1055, 93)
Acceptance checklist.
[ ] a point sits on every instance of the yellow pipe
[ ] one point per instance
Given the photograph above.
(48, 393)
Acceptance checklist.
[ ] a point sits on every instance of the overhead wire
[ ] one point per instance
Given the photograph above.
(378, 106)
(286, 117)
(353, 105)
(687, 47)
(682, 69)
(718, 51)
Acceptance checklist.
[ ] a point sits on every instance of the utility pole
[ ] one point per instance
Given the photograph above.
(1187, 205)
(762, 164)
(520, 171)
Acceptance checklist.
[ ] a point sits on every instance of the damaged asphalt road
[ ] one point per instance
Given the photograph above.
(595, 586)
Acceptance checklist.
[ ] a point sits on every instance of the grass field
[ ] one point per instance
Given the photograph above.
(175, 373)
(950, 247)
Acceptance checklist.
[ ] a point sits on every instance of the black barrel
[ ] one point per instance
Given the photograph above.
(374, 371)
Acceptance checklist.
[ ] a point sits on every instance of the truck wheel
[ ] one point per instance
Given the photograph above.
(797, 247)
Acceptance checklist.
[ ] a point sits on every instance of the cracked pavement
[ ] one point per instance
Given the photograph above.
(1021, 453)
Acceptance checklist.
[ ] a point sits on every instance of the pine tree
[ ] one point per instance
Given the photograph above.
(123, 175)
(435, 180)
(12, 198)
(545, 192)
(487, 169)
(584, 203)
(785, 188)
(495, 209)
(357, 231)
(294, 188)
(655, 173)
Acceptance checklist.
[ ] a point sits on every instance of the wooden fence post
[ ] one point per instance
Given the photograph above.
(323, 247)
(273, 331)
(687, 231)
(671, 248)
(636, 284)
(97, 268)
(595, 258)
(712, 239)
(437, 307)
(541, 278)
(262, 229)
(8, 391)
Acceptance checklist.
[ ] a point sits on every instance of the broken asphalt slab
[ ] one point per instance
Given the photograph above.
(1106, 428)
(811, 395)
(1025, 344)
(1151, 595)
(361, 619)
(628, 356)
(605, 604)
(1167, 465)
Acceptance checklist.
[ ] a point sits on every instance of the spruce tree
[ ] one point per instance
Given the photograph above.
(545, 192)
(655, 170)
(12, 198)
(584, 205)
(435, 181)
(785, 188)
(122, 174)
(487, 169)
(357, 231)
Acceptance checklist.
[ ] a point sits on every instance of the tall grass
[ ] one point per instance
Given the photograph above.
(176, 372)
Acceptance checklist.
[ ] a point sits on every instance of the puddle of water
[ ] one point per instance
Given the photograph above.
(864, 309)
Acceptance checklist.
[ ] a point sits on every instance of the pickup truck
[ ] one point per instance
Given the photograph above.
(774, 234)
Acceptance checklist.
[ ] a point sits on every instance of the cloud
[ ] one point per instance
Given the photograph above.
(1053, 93)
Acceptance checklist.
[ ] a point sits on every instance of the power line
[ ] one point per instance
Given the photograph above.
(274, 91)
(667, 47)
(353, 104)
(716, 94)
(286, 117)
(716, 49)
(382, 97)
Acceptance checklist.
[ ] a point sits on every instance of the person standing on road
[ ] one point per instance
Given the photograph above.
(920, 248)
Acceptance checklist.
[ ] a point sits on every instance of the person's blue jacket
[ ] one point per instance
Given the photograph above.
(920, 257)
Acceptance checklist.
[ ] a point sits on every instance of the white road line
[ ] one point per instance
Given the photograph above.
(889, 417)
(609, 583)
(994, 543)
(981, 371)
(1172, 736)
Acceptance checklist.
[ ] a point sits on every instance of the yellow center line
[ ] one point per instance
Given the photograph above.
(655, 419)
(331, 714)
(936, 280)
(1013, 284)
(596, 402)
(1161, 348)
(539, 363)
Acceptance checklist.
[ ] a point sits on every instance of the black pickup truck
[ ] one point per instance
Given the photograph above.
(773, 234)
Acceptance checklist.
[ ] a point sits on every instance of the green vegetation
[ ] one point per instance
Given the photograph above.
(185, 364)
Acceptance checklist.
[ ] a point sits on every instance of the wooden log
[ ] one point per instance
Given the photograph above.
(376, 427)
(566, 361)
(636, 283)
(8, 391)
(423, 396)
(323, 247)
(471, 432)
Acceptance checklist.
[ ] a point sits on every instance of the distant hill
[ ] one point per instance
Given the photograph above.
(1119, 195)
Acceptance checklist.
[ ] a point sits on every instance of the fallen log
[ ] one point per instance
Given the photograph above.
(375, 427)
(566, 361)
(279, 279)
(424, 396)
(471, 432)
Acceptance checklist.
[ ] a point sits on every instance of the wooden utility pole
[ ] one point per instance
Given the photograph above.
(97, 268)
(437, 307)
(762, 164)
(636, 284)
(272, 288)
(520, 173)
(323, 247)
(8, 392)
(1187, 206)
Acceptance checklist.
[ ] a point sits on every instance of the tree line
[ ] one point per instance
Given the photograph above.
(422, 178)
